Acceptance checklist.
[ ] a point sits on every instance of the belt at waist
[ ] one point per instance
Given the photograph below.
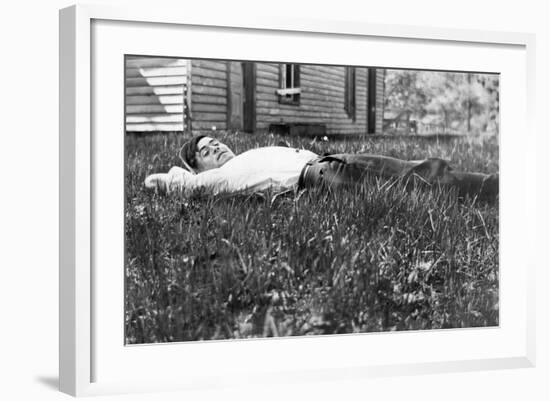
(319, 159)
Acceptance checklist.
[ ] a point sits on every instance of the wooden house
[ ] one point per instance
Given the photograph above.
(171, 94)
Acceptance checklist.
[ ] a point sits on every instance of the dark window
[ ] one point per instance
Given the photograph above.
(289, 75)
(289, 83)
(349, 93)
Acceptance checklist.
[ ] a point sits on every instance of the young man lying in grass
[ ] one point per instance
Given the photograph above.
(215, 169)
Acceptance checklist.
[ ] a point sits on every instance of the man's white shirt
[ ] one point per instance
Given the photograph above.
(275, 168)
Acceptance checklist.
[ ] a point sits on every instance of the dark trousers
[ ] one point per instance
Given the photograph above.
(352, 169)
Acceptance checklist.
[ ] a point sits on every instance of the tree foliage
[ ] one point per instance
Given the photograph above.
(441, 101)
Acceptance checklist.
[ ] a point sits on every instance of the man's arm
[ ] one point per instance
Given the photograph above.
(211, 182)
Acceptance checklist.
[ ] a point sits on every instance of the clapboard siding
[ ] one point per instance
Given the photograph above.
(201, 126)
(209, 90)
(155, 90)
(321, 99)
(209, 108)
(167, 94)
(155, 72)
(211, 82)
(153, 127)
(156, 81)
(156, 93)
(216, 65)
(209, 95)
(154, 118)
(208, 99)
(154, 108)
(155, 99)
(269, 74)
(205, 72)
(146, 62)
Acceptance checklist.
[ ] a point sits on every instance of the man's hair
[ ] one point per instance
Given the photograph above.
(188, 152)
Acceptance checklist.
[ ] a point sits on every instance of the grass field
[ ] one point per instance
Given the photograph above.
(318, 262)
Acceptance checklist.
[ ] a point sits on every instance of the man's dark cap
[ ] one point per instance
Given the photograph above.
(188, 151)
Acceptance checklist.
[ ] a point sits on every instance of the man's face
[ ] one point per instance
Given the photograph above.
(212, 154)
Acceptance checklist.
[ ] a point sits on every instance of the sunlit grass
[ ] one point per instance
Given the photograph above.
(362, 260)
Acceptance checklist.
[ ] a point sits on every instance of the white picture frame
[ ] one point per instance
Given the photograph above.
(78, 370)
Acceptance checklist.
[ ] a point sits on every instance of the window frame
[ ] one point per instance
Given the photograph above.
(289, 94)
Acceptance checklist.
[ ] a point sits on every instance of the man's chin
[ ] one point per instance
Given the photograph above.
(224, 158)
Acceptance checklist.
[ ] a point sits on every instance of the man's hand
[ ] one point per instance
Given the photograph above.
(158, 183)
(177, 179)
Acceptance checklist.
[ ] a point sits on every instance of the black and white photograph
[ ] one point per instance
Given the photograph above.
(277, 199)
